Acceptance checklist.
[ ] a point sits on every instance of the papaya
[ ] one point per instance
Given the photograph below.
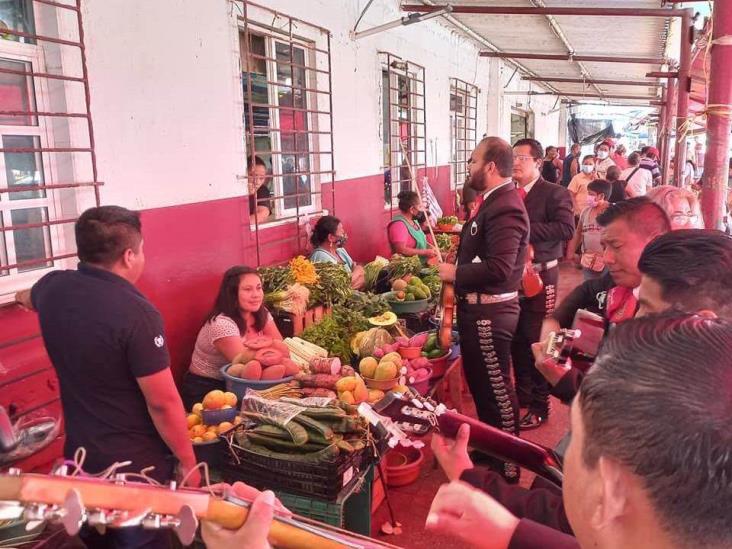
(258, 343)
(291, 367)
(367, 366)
(251, 370)
(276, 371)
(269, 357)
(360, 393)
(245, 356)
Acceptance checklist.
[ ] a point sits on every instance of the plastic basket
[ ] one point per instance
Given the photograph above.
(239, 386)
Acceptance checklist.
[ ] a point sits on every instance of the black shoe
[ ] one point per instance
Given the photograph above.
(531, 421)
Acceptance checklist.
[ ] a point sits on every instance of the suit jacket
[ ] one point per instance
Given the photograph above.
(493, 245)
(551, 218)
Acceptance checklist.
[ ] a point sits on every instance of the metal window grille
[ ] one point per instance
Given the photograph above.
(48, 170)
(404, 123)
(463, 121)
(288, 121)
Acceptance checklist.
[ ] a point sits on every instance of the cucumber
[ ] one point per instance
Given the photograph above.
(272, 431)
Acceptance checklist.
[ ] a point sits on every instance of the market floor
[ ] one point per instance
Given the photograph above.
(411, 503)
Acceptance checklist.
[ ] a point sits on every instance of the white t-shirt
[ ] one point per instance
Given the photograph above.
(640, 183)
(602, 167)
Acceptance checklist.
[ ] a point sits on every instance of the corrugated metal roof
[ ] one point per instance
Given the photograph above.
(588, 35)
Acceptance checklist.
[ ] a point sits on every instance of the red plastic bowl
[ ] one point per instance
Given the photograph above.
(402, 465)
(440, 364)
(410, 352)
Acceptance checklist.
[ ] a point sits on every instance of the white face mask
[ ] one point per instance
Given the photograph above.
(588, 168)
(602, 155)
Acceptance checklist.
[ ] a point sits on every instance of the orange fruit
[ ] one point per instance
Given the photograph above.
(224, 426)
(209, 435)
(214, 400)
(197, 440)
(237, 420)
(231, 399)
(197, 408)
(197, 430)
(211, 428)
(192, 420)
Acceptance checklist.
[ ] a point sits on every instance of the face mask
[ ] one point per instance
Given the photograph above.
(420, 218)
(341, 241)
(602, 155)
(588, 169)
(591, 201)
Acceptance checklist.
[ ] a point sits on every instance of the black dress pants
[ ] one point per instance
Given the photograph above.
(531, 387)
(486, 332)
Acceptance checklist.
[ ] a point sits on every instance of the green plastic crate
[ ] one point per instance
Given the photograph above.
(351, 510)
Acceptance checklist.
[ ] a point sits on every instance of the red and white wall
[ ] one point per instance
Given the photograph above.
(167, 109)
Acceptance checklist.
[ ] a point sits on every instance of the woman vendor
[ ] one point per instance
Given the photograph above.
(328, 240)
(238, 314)
(406, 236)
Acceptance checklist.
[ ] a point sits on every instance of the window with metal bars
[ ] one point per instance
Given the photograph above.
(47, 163)
(463, 125)
(286, 83)
(403, 124)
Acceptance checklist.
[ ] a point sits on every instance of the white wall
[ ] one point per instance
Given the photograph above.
(166, 99)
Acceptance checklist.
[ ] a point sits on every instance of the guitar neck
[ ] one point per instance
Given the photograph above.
(505, 446)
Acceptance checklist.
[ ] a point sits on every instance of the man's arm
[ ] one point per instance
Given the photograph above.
(560, 226)
(23, 298)
(166, 410)
(502, 234)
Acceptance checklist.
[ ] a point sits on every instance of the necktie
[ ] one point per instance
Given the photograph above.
(522, 193)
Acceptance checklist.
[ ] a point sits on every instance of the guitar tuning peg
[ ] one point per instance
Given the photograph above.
(127, 518)
(187, 524)
(72, 513)
(61, 470)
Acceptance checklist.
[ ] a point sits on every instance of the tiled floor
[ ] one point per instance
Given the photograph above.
(411, 503)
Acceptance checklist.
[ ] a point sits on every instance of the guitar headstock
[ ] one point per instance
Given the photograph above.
(410, 412)
(116, 502)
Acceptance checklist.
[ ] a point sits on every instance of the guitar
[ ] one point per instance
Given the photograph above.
(417, 415)
(117, 502)
(579, 344)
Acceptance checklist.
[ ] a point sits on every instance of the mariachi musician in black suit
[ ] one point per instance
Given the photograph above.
(487, 276)
(551, 221)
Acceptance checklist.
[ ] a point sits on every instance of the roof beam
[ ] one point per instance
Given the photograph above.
(523, 10)
(593, 81)
(596, 95)
(567, 57)
(660, 74)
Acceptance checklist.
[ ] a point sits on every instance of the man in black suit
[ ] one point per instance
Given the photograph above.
(490, 262)
(552, 223)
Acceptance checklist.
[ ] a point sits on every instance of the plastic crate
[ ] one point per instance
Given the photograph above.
(351, 509)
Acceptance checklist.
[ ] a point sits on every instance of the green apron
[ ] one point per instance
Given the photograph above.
(416, 233)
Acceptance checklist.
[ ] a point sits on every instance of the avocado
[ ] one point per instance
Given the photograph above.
(435, 353)
(409, 297)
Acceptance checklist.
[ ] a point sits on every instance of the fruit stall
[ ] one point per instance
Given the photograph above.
(294, 414)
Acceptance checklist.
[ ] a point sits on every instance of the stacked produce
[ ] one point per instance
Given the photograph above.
(198, 431)
(401, 266)
(294, 299)
(431, 279)
(264, 359)
(326, 283)
(315, 433)
(352, 390)
(410, 289)
(303, 270)
(447, 222)
(334, 332)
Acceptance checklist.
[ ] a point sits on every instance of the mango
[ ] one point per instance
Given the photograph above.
(214, 400)
(386, 370)
(360, 393)
(347, 397)
(375, 395)
(367, 366)
(346, 384)
(396, 358)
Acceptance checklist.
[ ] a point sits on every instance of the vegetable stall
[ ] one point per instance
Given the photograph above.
(292, 417)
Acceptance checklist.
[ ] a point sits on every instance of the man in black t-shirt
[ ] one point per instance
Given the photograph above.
(107, 345)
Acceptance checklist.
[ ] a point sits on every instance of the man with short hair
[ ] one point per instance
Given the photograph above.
(603, 161)
(648, 463)
(107, 345)
(490, 263)
(649, 161)
(637, 181)
(551, 221)
(570, 166)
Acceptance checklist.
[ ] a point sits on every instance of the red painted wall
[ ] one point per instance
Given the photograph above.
(187, 249)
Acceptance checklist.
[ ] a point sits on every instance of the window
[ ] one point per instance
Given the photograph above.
(463, 116)
(286, 86)
(43, 146)
(403, 124)
(522, 125)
